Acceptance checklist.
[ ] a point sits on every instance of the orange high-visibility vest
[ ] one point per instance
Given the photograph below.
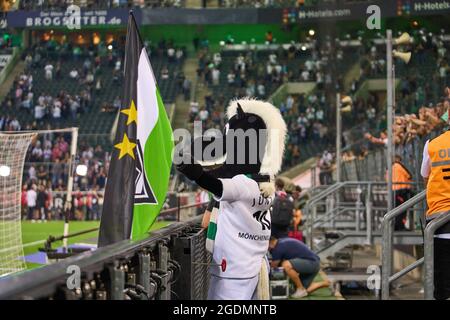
(438, 188)
(400, 174)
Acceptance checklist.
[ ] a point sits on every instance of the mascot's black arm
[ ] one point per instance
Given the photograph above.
(195, 172)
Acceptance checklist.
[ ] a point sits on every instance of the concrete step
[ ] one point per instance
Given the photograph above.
(181, 115)
(7, 84)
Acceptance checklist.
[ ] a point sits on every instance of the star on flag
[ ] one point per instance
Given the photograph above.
(125, 147)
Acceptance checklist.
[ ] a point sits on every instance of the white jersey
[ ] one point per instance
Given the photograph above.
(243, 228)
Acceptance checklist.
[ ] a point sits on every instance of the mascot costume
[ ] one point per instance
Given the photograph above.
(242, 184)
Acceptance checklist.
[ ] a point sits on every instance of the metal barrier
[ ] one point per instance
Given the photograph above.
(373, 166)
(387, 246)
(156, 266)
(430, 230)
(337, 202)
(427, 260)
(351, 214)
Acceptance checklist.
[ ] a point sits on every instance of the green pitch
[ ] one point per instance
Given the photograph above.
(35, 234)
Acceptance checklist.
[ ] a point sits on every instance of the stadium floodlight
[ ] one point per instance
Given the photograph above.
(343, 104)
(5, 171)
(81, 170)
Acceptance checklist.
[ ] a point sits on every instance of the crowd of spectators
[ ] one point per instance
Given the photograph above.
(54, 109)
(272, 3)
(429, 61)
(46, 167)
(409, 126)
(46, 173)
(256, 75)
(97, 4)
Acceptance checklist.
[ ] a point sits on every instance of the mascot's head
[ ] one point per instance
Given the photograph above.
(251, 143)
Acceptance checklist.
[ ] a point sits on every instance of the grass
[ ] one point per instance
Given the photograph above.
(39, 232)
(319, 294)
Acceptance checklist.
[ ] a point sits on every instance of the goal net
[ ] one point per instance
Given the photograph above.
(13, 148)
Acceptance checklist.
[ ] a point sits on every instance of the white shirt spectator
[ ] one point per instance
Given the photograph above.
(319, 77)
(118, 65)
(305, 75)
(32, 173)
(261, 90)
(39, 112)
(278, 68)
(15, 125)
(319, 114)
(89, 78)
(74, 106)
(56, 112)
(302, 120)
(48, 71)
(74, 74)
(230, 78)
(309, 65)
(273, 58)
(37, 152)
(217, 59)
(31, 198)
(194, 107)
(170, 52)
(442, 71)
(41, 100)
(215, 76)
(179, 54)
(310, 113)
(203, 114)
(47, 154)
(289, 102)
(269, 68)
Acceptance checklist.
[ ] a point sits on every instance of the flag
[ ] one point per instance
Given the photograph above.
(140, 164)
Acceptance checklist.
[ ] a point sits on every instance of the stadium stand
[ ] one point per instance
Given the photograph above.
(97, 4)
(65, 85)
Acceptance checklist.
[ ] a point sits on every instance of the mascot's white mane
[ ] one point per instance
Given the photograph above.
(276, 129)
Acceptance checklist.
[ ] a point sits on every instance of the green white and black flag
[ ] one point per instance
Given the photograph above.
(140, 165)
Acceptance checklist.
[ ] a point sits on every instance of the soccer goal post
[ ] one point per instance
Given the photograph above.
(13, 153)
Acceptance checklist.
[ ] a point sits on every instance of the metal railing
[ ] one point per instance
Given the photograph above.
(170, 262)
(428, 260)
(363, 201)
(429, 233)
(337, 206)
(387, 245)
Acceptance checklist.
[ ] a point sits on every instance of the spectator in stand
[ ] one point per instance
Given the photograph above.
(282, 210)
(171, 54)
(48, 71)
(41, 201)
(31, 202)
(186, 89)
(325, 166)
(164, 73)
(382, 140)
(73, 74)
(402, 189)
